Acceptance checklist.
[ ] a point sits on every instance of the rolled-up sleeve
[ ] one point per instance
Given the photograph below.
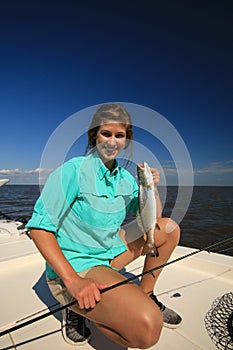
(59, 192)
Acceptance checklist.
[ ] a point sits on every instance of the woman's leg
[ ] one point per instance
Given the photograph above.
(166, 240)
(124, 314)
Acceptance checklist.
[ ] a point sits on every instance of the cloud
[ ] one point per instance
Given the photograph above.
(211, 174)
(19, 171)
(10, 171)
(38, 171)
(19, 176)
(216, 168)
(173, 168)
(215, 173)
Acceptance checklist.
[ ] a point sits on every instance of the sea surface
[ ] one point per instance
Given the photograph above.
(206, 220)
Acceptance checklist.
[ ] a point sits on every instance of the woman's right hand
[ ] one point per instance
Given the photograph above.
(86, 291)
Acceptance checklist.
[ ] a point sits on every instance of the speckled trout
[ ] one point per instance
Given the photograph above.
(146, 217)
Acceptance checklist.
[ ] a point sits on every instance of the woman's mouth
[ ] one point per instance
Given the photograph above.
(110, 150)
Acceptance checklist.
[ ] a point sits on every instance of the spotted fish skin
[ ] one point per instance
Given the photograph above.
(146, 217)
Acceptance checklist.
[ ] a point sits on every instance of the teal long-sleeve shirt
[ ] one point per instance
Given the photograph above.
(84, 205)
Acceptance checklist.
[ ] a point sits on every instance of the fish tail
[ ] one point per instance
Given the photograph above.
(150, 250)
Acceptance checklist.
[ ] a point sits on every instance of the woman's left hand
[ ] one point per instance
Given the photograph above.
(156, 175)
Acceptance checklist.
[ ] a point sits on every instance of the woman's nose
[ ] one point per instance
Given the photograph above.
(112, 141)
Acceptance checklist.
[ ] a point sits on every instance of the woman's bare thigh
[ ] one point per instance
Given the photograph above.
(122, 309)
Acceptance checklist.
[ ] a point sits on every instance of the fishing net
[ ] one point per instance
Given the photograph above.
(219, 322)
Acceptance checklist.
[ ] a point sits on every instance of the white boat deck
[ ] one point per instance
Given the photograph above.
(198, 279)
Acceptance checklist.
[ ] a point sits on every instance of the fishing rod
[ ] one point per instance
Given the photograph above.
(150, 271)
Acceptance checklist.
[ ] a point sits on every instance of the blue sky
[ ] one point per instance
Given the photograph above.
(60, 57)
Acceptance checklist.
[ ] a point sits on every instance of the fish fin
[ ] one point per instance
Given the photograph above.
(139, 222)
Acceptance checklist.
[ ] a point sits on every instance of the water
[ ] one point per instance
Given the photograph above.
(17, 201)
(208, 219)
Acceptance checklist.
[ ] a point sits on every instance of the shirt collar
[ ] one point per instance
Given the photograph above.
(101, 168)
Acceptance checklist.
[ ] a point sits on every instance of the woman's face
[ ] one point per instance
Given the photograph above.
(110, 140)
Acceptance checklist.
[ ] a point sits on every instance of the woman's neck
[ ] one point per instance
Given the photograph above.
(110, 165)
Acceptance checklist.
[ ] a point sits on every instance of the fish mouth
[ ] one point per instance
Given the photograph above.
(141, 166)
(144, 174)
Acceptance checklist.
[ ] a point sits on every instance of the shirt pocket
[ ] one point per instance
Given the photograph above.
(102, 210)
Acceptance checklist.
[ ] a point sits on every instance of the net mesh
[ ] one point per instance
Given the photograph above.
(219, 322)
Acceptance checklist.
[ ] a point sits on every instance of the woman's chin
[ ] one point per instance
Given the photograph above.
(108, 156)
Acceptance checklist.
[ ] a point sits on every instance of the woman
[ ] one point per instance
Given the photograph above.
(76, 227)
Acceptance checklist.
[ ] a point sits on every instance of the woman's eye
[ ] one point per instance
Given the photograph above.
(106, 134)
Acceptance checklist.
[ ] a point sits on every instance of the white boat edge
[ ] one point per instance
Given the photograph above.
(3, 182)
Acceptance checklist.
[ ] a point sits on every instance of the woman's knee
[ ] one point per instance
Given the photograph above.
(149, 329)
(171, 229)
